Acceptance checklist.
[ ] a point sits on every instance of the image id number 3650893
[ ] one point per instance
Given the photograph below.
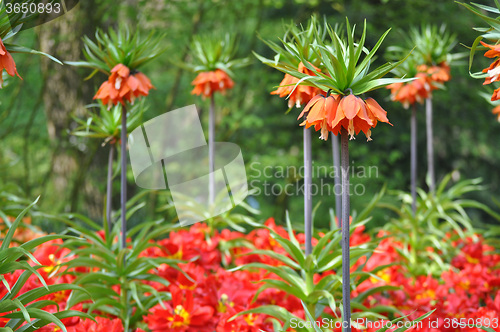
(471, 322)
(33, 7)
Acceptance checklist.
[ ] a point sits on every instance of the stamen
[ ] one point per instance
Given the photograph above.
(350, 130)
(118, 83)
(368, 136)
(324, 131)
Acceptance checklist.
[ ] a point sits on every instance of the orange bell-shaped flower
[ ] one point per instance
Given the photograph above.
(330, 114)
(206, 83)
(415, 91)
(298, 95)
(123, 86)
(7, 63)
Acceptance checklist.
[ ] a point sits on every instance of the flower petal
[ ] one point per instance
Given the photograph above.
(350, 106)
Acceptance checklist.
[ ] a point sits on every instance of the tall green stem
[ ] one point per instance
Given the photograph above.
(430, 145)
(309, 278)
(307, 190)
(125, 314)
(346, 267)
(211, 151)
(123, 197)
(109, 186)
(413, 167)
(336, 178)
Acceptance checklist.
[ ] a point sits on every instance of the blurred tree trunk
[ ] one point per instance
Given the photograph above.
(195, 25)
(65, 94)
(128, 13)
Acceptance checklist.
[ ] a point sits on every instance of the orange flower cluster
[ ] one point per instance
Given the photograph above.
(123, 86)
(496, 111)
(438, 74)
(411, 92)
(493, 71)
(421, 88)
(330, 114)
(298, 94)
(206, 83)
(7, 63)
(24, 232)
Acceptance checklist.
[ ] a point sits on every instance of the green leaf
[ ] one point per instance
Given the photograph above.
(272, 310)
(44, 318)
(370, 55)
(15, 224)
(401, 329)
(473, 50)
(22, 49)
(282, 258)
(310, 318)
(280, 285)
(361, 297)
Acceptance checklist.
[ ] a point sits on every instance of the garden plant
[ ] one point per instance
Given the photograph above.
(319, 244)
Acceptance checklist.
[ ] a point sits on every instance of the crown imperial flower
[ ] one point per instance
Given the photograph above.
(330, 114)
(343, 74)
(493, 71)
(415, 91)
(119, 54)
(212, 61)
(298, 95)
(122, 86)
(206, 83)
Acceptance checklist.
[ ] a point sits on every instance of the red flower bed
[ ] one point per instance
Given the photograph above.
(207, 295)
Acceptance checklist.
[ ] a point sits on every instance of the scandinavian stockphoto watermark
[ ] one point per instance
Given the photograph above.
(170, 151)
(360, 323)
(287, 180)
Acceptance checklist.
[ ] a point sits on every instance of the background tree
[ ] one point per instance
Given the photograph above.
(63, 95)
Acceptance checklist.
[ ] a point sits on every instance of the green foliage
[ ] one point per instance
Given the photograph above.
(28, 307)
(407, 68)
(432, 45)
(300, 40)
(341, 59)
(12, 202)
(11, 24)
(115, 47)
(439, 220)
(491, 33)
(118, 279)
(296, 276)
(213, 51)
(486, 95)
(106, 123)
(191, 209)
